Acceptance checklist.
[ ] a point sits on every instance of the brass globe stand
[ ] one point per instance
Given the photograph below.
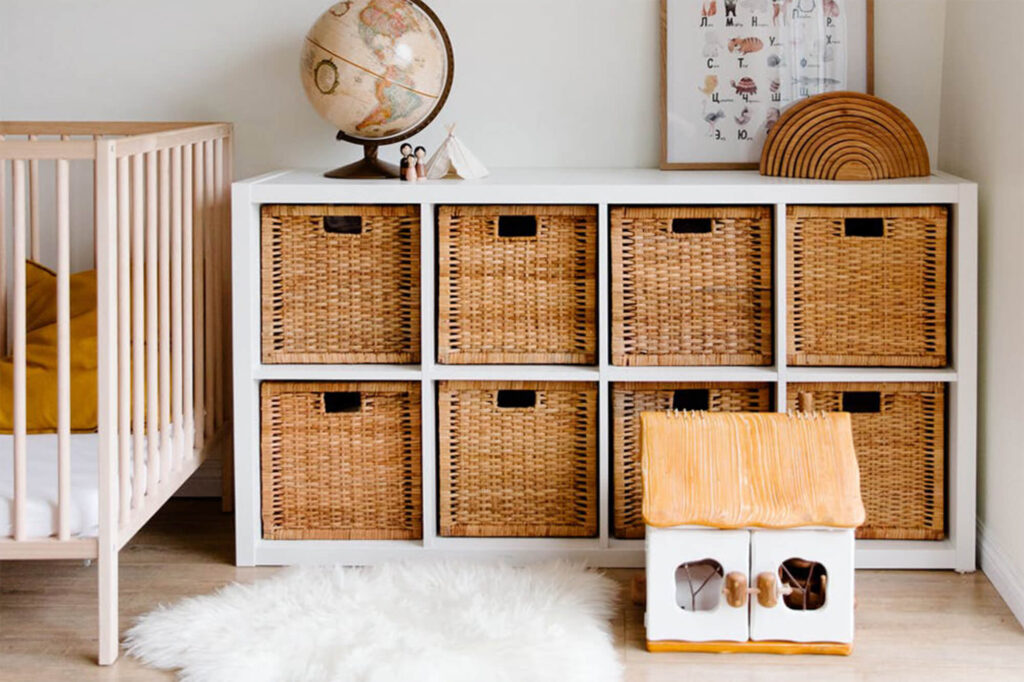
(370, 166)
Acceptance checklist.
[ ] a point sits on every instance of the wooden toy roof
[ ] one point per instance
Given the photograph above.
(742, 470)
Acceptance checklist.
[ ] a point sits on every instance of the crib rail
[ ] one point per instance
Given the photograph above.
(160, 247)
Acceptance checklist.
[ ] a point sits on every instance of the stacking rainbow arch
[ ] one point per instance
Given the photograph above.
(844, 136)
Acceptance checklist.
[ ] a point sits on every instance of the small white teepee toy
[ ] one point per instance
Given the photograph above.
(453, 159)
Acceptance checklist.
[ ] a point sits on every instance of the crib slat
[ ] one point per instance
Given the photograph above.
(3, 254)
(20, 478)
(164, 292)
(63, 351)
(187, 307)
(198, 276)
(216, 300)
(209, 291)
(106, 380)
(228, 465)
(176, 361)
(124, 369)
(152, 398)
(96, 210)
(33, 203)
(138, 331)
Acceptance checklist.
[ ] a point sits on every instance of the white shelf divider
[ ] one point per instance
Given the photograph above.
(428, 356)
(514, 373)
(869, 374)
(962, 407)
(601, 188)
(337, 372)
(604, 396)
(780, 306)
(691, 374)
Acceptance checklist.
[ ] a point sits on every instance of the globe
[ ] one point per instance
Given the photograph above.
(379, 71)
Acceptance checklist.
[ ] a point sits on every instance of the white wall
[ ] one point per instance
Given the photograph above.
(982, 105)
(537, 82)
(908, 60)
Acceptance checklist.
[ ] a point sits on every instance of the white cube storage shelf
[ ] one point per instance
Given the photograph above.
(603, 189)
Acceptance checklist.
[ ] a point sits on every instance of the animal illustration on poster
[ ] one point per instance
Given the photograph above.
(751, 60)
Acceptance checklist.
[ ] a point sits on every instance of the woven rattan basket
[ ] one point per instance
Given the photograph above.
(341, 461)
(691, 285)
(867, 285)
(517, 458)
(629, 400)
(899, 435)
(516, 284)
(341, 284)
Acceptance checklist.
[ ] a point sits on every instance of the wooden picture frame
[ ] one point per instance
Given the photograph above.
(683, 133)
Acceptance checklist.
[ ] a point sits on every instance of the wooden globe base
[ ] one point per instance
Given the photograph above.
(844, 136)
(370, 166)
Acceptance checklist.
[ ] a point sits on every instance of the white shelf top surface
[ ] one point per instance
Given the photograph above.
(602, 185)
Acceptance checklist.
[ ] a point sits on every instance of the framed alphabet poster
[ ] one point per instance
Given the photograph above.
(731, 67)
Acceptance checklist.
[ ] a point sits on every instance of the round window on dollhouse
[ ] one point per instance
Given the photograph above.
(699, 585)
(804, 584)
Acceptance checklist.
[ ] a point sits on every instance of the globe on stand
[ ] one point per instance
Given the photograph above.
(378, 70)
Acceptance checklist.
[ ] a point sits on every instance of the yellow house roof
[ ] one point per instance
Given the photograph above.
(738, 470)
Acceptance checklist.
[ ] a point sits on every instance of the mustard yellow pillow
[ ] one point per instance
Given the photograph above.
(41, 295)
(41, 352)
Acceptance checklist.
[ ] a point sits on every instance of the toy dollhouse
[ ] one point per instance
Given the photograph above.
(750, 531)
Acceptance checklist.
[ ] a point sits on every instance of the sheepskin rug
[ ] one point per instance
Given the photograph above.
(419, 622)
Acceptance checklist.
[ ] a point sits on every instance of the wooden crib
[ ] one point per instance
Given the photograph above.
(156, 198)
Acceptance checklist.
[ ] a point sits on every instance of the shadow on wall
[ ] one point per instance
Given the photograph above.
(273, 120)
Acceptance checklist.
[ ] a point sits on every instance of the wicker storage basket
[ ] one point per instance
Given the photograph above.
(517, 458)
(899, 435)
(341, 461)
(867, 285)
(341, 284)
(516, 284)
(629, 400)
(691, 285)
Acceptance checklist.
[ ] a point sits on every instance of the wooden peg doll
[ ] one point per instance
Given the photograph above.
(403, 166)
(410, 168)
(421, 171)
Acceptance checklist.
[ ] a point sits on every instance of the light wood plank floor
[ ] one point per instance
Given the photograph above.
(911, 625)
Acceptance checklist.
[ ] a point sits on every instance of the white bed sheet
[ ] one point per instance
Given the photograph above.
(41, 505)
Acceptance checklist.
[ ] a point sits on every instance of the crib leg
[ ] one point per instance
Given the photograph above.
(107, 568)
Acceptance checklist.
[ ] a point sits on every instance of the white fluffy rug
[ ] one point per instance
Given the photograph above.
(419, 622)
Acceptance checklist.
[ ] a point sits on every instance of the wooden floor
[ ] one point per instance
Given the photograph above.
(911, 625)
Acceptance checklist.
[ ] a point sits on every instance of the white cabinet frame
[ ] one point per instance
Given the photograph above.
(600, 188)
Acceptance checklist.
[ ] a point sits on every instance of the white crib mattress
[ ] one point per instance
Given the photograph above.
(41, 505)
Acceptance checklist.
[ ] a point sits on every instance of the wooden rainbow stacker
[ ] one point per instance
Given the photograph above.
(750, 531)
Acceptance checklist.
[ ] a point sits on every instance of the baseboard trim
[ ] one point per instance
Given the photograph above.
(1005, 576)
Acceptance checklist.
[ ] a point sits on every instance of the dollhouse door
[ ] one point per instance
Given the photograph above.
(687, 572)
(813, 574)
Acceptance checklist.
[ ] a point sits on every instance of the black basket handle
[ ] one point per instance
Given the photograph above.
(691, 226)
(343, 401)
(343, 224)
(864, 227)
(862, 402)
(516, 399)
(691, 399)
(517, 226)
